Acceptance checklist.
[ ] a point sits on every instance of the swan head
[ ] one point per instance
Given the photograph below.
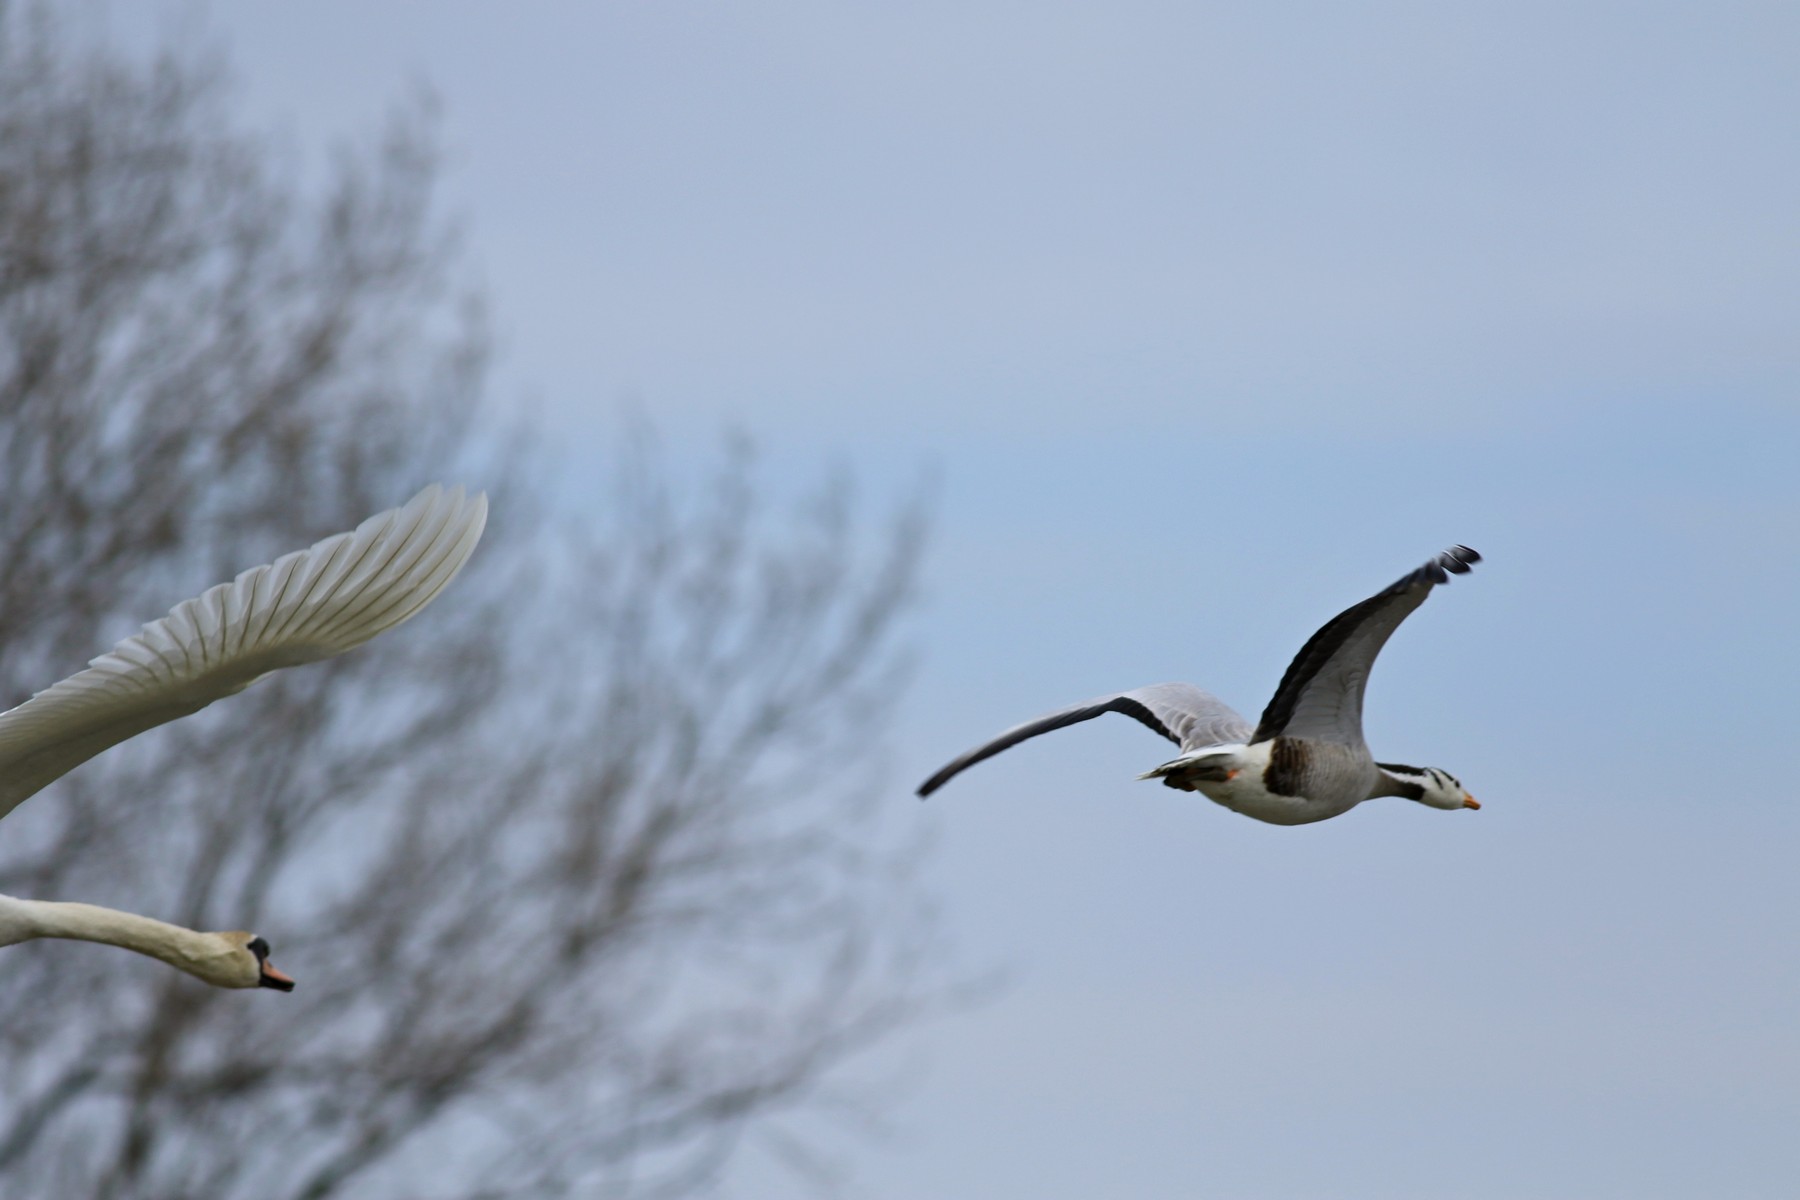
(1430, 786)
(240, 960)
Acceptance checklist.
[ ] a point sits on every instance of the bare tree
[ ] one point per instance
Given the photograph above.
(579, 874)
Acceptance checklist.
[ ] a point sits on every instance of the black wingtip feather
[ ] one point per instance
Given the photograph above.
(1457, 560)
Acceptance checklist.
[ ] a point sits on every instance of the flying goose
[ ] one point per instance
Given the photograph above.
(303, 607)
(1305, 760)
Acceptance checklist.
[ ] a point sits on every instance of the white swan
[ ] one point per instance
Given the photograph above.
(303, 607)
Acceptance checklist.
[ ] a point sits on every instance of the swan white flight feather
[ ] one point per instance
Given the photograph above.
(302, 607)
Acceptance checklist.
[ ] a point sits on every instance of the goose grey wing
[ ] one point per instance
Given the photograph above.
(1181, 712)
(305, 606)
(1321, 694)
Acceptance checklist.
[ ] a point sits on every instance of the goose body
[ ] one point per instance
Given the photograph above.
(303, 607)
(1305, 760)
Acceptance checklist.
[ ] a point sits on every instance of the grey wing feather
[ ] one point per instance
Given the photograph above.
(305, 606)
(1321, 694)
(1181, 712)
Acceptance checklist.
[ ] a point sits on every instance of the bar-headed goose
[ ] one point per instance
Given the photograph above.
(1305, 760)
(303, 607)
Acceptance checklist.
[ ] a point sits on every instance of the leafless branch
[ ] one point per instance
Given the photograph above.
(581, 872)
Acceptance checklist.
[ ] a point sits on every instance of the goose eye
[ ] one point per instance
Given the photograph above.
(258, 947)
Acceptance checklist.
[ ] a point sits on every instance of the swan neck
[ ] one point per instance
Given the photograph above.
(23, 920)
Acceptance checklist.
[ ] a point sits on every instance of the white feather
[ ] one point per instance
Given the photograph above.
(303, 607)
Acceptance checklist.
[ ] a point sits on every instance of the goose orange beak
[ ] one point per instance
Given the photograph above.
(1470, 801)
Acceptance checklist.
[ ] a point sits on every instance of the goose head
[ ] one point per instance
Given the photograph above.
(1430, 786)
(237, 960)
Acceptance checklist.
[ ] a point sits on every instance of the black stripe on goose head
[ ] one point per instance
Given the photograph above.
(1405, 778)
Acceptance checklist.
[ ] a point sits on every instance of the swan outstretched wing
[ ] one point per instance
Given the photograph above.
(1181, 712)
(1321, 694)
(302, 607)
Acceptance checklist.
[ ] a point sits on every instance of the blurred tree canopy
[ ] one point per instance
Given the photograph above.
(579, 872)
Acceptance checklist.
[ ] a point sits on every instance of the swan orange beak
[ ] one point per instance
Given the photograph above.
(271, 978)
(1470, 801)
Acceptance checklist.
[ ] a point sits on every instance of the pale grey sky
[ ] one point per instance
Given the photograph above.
(1213, 319)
